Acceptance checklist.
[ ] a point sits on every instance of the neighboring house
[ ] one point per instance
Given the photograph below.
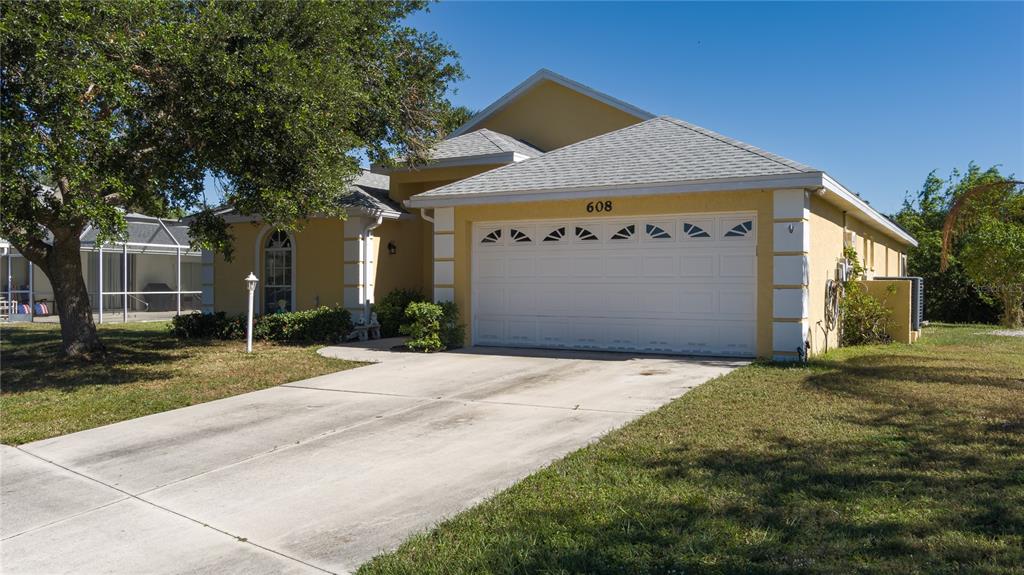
(152, 274)
(562, 217)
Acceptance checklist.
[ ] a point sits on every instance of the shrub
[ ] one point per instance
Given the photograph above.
(865, 319)
(391, 310)
(207, 326)
(323, 324)
(433, 327)
(453, 333)
(423, 327)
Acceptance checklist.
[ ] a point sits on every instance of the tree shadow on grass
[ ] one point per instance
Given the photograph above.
(31, 359)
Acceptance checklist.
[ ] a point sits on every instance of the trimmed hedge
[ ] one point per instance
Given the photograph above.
(324, 324)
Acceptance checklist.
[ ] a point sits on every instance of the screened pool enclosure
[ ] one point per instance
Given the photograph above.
(153, 274)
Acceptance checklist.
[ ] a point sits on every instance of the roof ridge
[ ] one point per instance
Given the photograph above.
(739, 144)
(548, 154)
(486, 135)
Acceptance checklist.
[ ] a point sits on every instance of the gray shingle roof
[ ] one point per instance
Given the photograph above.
(661, 150)
(480, 143)
(369, 192)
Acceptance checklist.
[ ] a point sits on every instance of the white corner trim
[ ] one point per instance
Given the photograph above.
(789, 270)
(538, 77)
(444, 220)
(789, 303)
(791, 237)
(788, 337)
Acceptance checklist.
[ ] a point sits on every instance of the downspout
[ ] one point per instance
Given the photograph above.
(423, 214)
(367, 242)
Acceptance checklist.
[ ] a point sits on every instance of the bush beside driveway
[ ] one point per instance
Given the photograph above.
(881, 459)
(145, 371)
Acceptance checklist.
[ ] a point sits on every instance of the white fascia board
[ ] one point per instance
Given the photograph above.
(803, 180)
(847, 199)
(540, 76)
(483, 159)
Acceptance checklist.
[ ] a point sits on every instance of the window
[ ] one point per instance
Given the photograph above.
(625, 233)
(492, 238)
(740, 230)
(518, 236)
(584, 234)
(657, 232)
(695, 231)
(556, 235)
(278, 258)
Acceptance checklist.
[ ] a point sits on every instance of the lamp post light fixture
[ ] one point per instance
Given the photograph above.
(250, 282)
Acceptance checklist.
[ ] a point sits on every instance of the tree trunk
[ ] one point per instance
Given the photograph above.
(63, 266)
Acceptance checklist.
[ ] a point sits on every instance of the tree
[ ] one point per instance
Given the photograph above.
(110, 107)
(988, 215)
(949, 295)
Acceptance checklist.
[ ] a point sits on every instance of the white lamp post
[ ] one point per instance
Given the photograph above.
(250, 282)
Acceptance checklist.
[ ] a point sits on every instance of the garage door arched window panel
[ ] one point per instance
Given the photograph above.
(518, 236)
(625, 232)
(583, 234)
(657, 231)
(278, 265)
(697, 230)
(492, 237)
(737, 229)
(555, 235)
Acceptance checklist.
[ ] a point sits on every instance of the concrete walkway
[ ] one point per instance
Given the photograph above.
(321, 474)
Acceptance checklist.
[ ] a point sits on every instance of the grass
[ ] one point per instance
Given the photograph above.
(145, 371)
(879, 459)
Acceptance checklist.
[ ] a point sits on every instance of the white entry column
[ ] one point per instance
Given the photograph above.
(791, 245)
(359, 265)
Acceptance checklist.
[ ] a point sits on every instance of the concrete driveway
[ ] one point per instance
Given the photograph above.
(321, 474)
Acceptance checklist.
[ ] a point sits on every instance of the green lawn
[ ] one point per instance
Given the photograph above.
(146, 371)
(884, 459)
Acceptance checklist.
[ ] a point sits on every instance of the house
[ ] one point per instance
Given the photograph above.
(151, 273)
(562, 217)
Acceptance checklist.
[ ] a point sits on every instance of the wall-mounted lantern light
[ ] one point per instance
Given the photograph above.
(392, 248)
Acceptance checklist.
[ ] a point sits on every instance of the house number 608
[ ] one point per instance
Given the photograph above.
(605, 206)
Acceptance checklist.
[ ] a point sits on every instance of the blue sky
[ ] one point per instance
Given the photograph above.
(876, 94)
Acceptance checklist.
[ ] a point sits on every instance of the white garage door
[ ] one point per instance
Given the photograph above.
(667, 284)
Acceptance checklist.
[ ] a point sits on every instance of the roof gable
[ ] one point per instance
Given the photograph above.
(549, 111)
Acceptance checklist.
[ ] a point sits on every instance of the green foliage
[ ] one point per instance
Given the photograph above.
(324, 325)
(453, 333)
(109, 107)
(950, 295)
(994, 256)
(423, 327)
(391, 310)
(865, 319)
(433, 327)
(207, 326)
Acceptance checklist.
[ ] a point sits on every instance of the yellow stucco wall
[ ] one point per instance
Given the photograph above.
(827, 235)
(419, 232)
(318, 266)
(898, 302)
(404, 269)
(550, 116)
(759, 201)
